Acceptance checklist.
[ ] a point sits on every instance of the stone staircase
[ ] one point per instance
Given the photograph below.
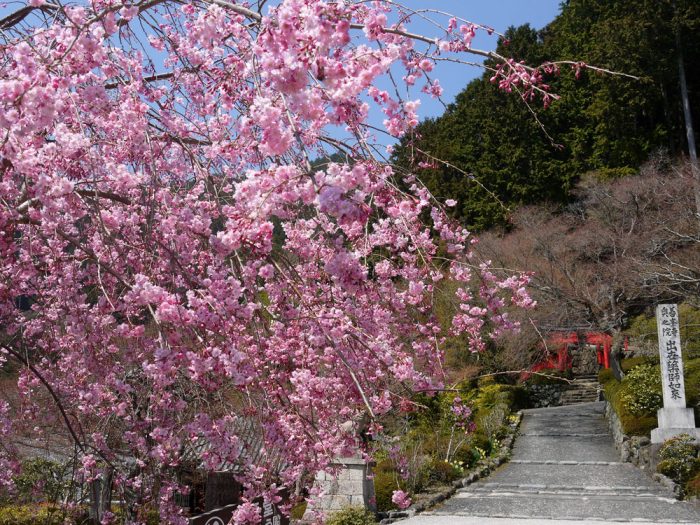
(584, 389)
(564, 469)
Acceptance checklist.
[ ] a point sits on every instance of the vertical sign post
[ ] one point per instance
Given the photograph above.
(674, 418)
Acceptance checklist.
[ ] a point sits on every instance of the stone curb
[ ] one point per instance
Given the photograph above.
(482, 469)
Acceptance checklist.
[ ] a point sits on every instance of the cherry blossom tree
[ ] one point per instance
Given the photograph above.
(174, 268)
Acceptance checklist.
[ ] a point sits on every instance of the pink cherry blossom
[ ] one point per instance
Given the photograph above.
(179, 275)
(401, 499)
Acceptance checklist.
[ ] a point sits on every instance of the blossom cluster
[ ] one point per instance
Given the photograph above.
(174, 268)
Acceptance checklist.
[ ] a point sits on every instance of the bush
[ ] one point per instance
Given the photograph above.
(385, 483)
(467, 456)
(605, 376)
(489, 421)
(492, 395)
(631, 425)
(642, 390)
(692, 385)
(351, 516)
(678, 459)
(692, 488)
(442, 472)
(520, 398)
(628, 365)
(638, 426)
(32, 515)
(481, 443)
(41, 480)
(298, 510)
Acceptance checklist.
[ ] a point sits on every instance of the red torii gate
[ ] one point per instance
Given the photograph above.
(559, 358)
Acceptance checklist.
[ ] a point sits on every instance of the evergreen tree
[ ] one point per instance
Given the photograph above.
(498, 154)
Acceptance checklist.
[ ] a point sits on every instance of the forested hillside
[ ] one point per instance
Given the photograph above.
(499, 153)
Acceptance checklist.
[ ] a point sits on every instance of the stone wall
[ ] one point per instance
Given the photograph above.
(547, 395)
(634, 449)
(353, 486)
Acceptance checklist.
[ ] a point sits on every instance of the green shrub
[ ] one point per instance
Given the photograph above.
(605, 376)
(384, 465)
(520, 398)
(298, 510)
(467, 456)
(678, 459)
(32, 515)
(642, 390)
(148, 515)
(631, 425)
(629, 364)
(442, 472)
(351, 516)
(480, 441)
(385, 483)
(692, 488)
(692, 385)
(638, 425)
(491, 395)
(605, 174)
(41, 480)
(637, 397)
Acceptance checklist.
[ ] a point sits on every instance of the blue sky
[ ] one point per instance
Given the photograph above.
(499, 14)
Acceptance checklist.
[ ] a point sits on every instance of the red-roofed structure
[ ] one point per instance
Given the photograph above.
(561, 346)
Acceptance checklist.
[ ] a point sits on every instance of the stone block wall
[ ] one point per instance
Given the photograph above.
(353, 486)
(635, 449)
(542, 396)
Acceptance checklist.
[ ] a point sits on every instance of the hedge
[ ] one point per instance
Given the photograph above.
(615, 393)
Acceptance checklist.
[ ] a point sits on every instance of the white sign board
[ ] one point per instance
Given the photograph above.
(670, 353)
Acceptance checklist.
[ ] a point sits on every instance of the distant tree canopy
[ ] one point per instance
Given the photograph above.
(497, 150)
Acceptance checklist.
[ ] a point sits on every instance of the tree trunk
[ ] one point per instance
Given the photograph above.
(688, 117)
(101, 495)
(616, 353)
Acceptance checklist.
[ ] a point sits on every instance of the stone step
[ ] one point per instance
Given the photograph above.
(593, 377)
(590, 498)
(571, 507)
(533, 488)
(577, 395)
(592, 473)
(580, 395)
(574, 401)
(564, 467)
(582, 392)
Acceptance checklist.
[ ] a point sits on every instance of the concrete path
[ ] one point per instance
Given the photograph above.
(564, 470)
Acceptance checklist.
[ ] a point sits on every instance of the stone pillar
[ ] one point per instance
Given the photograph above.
(353, 487)
(674, 418)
